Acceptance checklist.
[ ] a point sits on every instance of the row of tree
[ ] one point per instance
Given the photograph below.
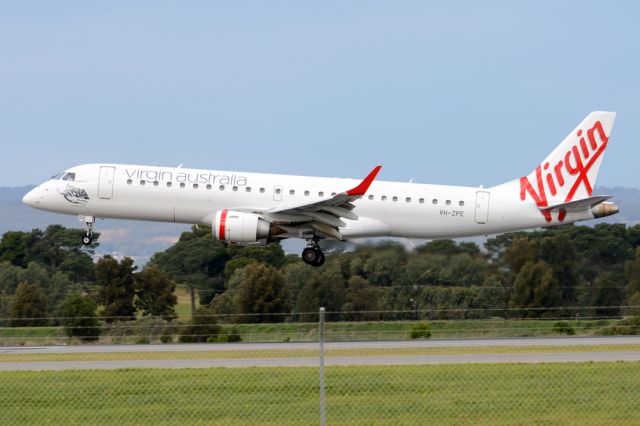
(557, 272)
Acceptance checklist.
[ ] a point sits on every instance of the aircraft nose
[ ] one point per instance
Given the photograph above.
(32, 198)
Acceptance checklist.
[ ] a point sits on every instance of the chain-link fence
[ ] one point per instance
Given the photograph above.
(220, 371)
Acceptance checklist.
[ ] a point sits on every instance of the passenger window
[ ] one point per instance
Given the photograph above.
(292, 192)
(142, 182)
(408, 199)
(262, 190)
(321, 194)
(434, 201)
(421, 200)
(221, 187)
(333, 194)
(371, 197)
(395, 198)
(182, 185)
(278, 191)
(208, 186)
(461, 203)
(248, 189)
(383, 198)
(235, 189)
(306, 193)
(156, 183)
(168, 184)
(448, 202)
(129, 181)
(195, 186)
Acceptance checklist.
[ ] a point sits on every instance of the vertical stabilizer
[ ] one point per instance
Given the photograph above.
(569, 173)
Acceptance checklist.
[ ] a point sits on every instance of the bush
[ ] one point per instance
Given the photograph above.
(626, 327)
(78, 317)
(563, 327)
(201, 328)
(419, 330)
(233, 335)
(166, 336)
(149, 328)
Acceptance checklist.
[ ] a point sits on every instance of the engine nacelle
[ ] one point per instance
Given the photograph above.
(239, 227)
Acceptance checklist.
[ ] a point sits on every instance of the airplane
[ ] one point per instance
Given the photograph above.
(257, 208)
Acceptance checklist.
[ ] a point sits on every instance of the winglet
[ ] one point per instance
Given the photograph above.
(364, 185)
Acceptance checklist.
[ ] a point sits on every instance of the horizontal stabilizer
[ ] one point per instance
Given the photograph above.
(579, 205)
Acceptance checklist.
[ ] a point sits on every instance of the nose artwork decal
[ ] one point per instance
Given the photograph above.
(75, 195)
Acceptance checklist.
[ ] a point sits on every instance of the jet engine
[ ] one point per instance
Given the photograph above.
(240, 227)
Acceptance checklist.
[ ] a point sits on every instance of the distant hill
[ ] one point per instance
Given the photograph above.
(140, 240)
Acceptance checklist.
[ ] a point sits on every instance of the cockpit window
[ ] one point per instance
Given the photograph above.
(58, 176)
(69, 176)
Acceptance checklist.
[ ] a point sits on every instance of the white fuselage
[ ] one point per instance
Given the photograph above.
(194, 196)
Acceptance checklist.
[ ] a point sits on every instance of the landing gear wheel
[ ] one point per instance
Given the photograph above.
(310, 256)
(87, 239)
(313, 256)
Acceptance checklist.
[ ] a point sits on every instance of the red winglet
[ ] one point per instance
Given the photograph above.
(364, 185)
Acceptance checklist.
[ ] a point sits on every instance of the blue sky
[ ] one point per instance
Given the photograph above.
(462, 93)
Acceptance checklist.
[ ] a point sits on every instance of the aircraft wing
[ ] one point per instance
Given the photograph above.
(324, 216)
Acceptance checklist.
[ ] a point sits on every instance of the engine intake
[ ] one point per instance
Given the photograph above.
(239, 227)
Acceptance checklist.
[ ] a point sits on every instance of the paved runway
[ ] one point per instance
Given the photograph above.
(532, 357)
(432, 343)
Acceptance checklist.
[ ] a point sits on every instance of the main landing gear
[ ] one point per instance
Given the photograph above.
(87, 238)
(312, 254)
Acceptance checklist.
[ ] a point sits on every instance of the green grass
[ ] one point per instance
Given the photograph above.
(522, 394)
(336, 331)
(183, 307)
(359, 352)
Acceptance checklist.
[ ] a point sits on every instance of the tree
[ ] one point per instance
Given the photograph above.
(29, 306)
(196, 260)
(519, 252)
(326, 288)
(536, 288)
(262, 293)
(78, 317)
(116, 288)
(632, 272)
(57, 248)
(361, 299)
(154, 293)
(609, 293)
(202, 327)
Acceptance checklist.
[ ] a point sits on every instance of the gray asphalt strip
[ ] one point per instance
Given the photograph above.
(434, 343)
(529, 358)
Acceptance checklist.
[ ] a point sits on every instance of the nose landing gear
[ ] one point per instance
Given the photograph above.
(87, 238)
(313, 255)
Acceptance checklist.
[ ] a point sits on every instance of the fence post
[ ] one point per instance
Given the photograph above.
(323, 419)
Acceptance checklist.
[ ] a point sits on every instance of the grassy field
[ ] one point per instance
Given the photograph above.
(550, 394)
(183, 308)
(337, 331)
(360, 352)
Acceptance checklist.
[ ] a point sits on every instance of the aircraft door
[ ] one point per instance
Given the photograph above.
(277, 193)
(105, 183)
(482, 207)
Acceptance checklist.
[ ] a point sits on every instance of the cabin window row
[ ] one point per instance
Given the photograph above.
(307, 193)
